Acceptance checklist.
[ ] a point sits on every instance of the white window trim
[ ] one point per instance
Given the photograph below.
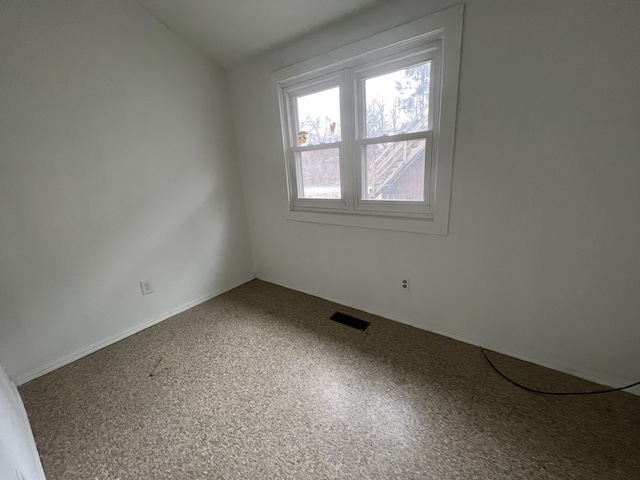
(442, 29)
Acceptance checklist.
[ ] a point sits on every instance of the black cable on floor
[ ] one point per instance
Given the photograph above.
(542, 392)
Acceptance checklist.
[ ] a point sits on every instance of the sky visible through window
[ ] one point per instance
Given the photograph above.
(319, 117)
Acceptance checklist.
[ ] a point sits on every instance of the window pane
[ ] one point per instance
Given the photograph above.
(398, 102)
(319, 174)
(319, 117)
(394, 171)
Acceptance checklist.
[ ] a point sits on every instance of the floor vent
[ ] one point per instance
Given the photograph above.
(350, 321)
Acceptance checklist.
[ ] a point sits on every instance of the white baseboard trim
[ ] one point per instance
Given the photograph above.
(609, 382)
(49, 367)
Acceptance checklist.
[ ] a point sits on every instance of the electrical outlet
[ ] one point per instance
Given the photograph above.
(406, 285)
(146, 286)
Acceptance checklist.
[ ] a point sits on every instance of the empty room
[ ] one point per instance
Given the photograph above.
(296, 239)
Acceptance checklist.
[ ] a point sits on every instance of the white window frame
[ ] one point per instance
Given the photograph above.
(295, 185)
(435, 38)
(379, 66)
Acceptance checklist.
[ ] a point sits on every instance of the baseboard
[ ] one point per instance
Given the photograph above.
(78, 354)
(610, 382)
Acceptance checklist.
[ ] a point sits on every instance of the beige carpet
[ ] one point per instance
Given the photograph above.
(259, 384)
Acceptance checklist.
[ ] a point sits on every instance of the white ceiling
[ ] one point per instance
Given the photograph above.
(229, 31)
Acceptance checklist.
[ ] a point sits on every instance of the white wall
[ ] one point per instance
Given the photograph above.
(117, 164)
(542, 257)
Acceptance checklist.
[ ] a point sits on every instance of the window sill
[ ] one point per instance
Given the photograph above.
(417, 225)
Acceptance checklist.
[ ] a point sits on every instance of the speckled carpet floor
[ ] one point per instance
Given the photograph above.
(259, 384)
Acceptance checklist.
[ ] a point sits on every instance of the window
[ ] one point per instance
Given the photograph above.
(368, 129)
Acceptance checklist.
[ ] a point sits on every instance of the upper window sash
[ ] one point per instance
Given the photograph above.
(293, 92)
(430, 52)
